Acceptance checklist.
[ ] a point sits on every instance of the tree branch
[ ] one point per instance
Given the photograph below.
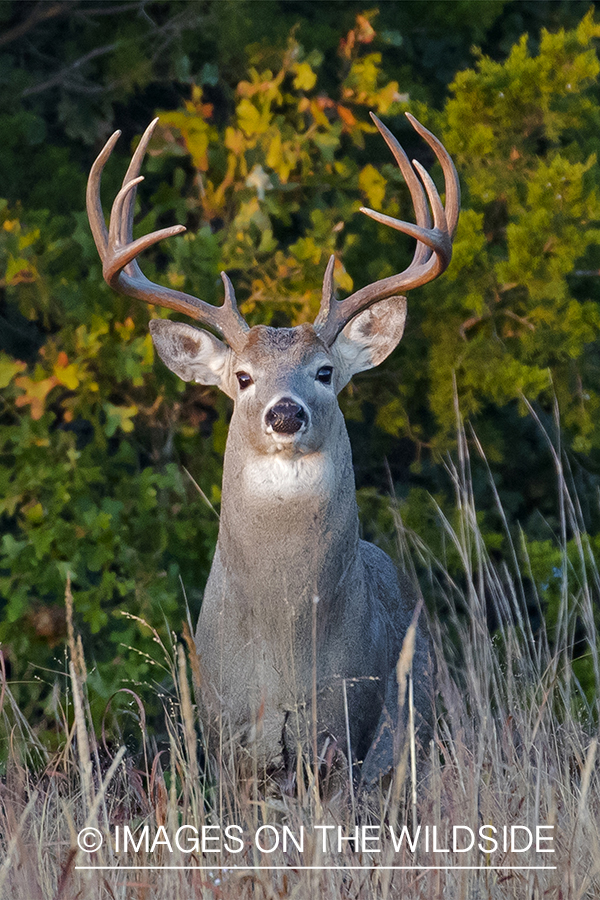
(111, 10)
(64, 73)
(41, 12)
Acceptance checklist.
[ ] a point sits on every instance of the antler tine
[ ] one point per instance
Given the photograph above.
(118, 251)
(327, 297)
(422, 250)
(92, 197)
(439, 214)
(451, 180)
(118, 231)
(229, 301)
(125, 249)
(132, 173)
(434, 242)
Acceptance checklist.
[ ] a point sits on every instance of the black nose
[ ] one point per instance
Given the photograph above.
(286, 416)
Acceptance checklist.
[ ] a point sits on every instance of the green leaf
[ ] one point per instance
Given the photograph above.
(9, 368)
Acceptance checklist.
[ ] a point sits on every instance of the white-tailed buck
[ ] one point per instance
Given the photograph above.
(289, 531)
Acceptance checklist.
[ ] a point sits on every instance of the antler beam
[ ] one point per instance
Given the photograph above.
(118, 251)
(434, 242)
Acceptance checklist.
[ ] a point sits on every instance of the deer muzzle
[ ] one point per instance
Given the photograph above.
(286, 416)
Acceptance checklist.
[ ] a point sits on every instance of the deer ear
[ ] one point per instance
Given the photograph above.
(192, 353)
(371, 336)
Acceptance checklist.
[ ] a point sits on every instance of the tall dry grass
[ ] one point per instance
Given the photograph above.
(514, 744)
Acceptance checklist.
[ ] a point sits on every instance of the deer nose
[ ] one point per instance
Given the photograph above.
(286, 416)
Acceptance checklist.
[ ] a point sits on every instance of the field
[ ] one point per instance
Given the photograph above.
(513, 750)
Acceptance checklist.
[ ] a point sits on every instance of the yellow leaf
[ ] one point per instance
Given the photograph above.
(28, 238)
(274, 156)
(125, 329)
(195, 133)
(250, 119)
(372, 184)
(34, 513)
(196, 140)
(342, 278)
(234, 141)
(19, 270)
(68, 376)
(386, 96)
(148, 355)
(318, 114)
(176, 118)
(305, 79)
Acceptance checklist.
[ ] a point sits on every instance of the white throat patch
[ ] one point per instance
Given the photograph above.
(281, 477)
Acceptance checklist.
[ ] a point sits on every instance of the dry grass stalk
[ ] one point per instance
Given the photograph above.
(514, 744)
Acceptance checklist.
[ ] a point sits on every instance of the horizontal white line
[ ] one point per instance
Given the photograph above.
(296, 868)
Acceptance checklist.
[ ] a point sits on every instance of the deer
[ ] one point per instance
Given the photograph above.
(302, 622)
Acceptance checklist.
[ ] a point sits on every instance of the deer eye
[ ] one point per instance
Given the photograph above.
(244, 380)
(324, 374)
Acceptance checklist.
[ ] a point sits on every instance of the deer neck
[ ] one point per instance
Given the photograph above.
(289, 523)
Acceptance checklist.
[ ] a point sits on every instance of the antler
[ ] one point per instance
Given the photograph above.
(118, 251)
(434, 244)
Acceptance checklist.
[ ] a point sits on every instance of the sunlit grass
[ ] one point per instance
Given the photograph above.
(513, 745)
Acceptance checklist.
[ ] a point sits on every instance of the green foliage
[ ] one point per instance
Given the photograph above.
(512, 323)
(268, 160)
(87, 484)
(519, 132)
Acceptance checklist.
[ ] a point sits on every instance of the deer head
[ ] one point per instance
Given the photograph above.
(282, 380)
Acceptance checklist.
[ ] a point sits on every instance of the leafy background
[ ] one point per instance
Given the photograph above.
(265, 150)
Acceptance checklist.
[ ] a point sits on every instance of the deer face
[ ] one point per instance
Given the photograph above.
(284, 381)
(284, 390)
